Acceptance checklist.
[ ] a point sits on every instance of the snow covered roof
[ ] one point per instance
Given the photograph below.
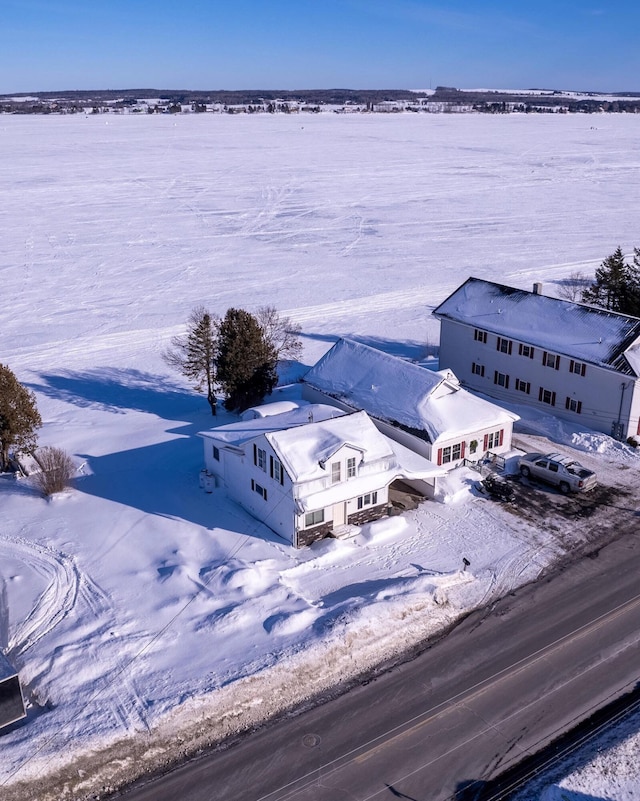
(397, 391)
(305, 453)
(269, 409)
(584, 333)
(239, 433)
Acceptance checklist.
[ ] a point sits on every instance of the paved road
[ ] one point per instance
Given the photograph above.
(500, 686)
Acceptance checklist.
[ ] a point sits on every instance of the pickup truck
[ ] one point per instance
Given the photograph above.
(564, 473)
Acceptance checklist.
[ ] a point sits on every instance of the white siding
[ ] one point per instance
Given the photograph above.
(597, 393)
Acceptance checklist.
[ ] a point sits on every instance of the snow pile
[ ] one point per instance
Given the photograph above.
(457, 486)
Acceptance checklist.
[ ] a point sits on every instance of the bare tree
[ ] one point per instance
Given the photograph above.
(195, 353)
(281, 333)
(56, 470)
(571, 288)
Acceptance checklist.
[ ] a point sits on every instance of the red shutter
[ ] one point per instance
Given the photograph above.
(501, 435)
(571, 365)
(553, 398)
(255, 453)
(462, 447)
(579, 407)
(486, 442)
(439, 455)
(544, 358)
(583, 369)
(557, 362)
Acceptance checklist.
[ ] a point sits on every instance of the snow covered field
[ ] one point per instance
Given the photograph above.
(144, 615)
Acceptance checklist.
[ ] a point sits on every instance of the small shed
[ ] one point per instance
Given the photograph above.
(11, 700)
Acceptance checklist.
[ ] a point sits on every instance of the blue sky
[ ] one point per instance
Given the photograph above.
(298, 44)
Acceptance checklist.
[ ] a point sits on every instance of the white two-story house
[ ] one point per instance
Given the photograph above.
(575, 361)
(309, 472)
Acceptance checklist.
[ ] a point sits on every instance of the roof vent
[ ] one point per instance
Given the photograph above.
(537, 288)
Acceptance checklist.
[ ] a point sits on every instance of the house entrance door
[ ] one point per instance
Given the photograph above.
(339, 514)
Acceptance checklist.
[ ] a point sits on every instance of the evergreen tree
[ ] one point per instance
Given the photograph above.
(617, 284)
(246, 360)
(19, 417)
(194, 354)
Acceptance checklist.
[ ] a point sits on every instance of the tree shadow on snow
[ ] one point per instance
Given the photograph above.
(116, 390)
(160, 479)
(410, 350)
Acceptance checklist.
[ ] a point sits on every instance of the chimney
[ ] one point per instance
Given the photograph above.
(537, 288)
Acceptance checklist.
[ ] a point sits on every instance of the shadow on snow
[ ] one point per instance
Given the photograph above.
(160, 479)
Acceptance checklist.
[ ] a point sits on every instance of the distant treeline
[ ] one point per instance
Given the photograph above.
(267, 100)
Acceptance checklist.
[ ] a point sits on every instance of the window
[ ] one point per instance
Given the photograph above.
(351, 467)
(477, 369)
(335, 472)
(580, 368)
(259, 489)
(526, 350)
(260, 457)
(573, 405)
(370, 499)
(452, 453)
(523, 386)
(275, 470)
(547, 396)
(493, 440)
(216, 453)
(501, 379)
(505, 345)
(314, 518)
(551, 360)
(480, 336)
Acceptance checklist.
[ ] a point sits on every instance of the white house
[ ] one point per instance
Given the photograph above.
(428, 412)
(311, 471)
(578, 362)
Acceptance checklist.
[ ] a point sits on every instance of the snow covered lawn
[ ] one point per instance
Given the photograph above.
(147, 617)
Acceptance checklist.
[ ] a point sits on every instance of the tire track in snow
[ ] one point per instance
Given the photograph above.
(67, 587)
(55, 602)
(429, 295)
(126, 705)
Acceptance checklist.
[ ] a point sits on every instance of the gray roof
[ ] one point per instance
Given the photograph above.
(584, 333)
